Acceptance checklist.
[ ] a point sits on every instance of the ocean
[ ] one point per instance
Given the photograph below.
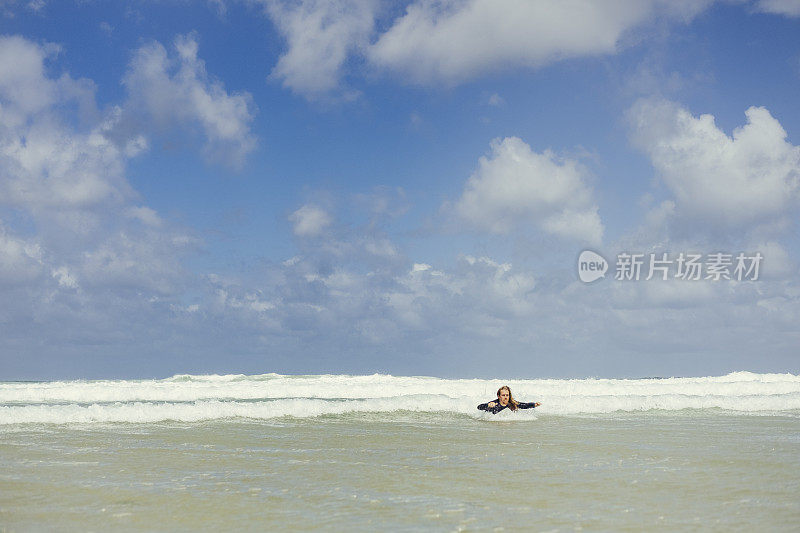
(365, 453)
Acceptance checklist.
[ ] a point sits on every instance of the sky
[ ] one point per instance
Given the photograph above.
(406, 187)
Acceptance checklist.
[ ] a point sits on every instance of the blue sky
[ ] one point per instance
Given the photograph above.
(360, 186)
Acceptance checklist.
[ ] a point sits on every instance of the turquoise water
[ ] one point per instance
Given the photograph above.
(407, 471)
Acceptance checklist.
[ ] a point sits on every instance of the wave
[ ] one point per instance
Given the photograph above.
(195, 398)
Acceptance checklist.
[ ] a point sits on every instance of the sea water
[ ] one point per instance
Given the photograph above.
(368, 453)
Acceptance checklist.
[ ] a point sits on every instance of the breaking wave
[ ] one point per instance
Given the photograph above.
(190, 398)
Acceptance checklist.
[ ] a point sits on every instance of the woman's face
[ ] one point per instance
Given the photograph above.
(503, 397)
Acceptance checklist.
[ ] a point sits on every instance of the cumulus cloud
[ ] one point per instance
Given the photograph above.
(320, 35)
(46, 164)
(450, 41)
(309, 221)
(789, 8)
(22, 78)
(748, 179)
(455, 40)
(20, 260)
(176, 89)
(47, 170)
(516, 186)
(72, 241)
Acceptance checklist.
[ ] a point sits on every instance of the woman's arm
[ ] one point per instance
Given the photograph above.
(529, 405)
(488, 406)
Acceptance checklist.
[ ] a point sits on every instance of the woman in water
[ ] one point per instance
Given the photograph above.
(504, 399)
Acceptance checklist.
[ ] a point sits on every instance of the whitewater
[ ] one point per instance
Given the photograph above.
(191, 398)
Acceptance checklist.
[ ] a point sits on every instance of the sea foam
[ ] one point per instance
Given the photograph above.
(195, 398)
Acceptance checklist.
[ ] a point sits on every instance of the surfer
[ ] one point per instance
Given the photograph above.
(505, 400)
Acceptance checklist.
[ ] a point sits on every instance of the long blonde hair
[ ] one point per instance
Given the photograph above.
(512, 403)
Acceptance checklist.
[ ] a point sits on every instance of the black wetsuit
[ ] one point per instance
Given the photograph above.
(497, 407)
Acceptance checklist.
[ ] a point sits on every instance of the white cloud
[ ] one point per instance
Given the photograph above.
(450, 41)
(309, 221)
(454, 40)
(76, 256)
(45, 163)
(23, 84)
(250, 301)
(790, 8)
(64, 277)
(320, 34)
(496, 100)
(169, 90)
(453, 317)
(672, 293)
(516, 187)
(144, 262)
(776, 264)
(47, 169)
(380, 248)
(145, 215)
(480, 297)
(36, 5)
(748, 179)
(20, 260)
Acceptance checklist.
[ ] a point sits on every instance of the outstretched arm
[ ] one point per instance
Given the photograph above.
(529, 405)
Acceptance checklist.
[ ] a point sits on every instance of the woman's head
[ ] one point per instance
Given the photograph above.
(505, 398)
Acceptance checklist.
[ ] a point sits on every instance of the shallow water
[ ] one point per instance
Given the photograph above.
(406, 471)
(380, 452)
